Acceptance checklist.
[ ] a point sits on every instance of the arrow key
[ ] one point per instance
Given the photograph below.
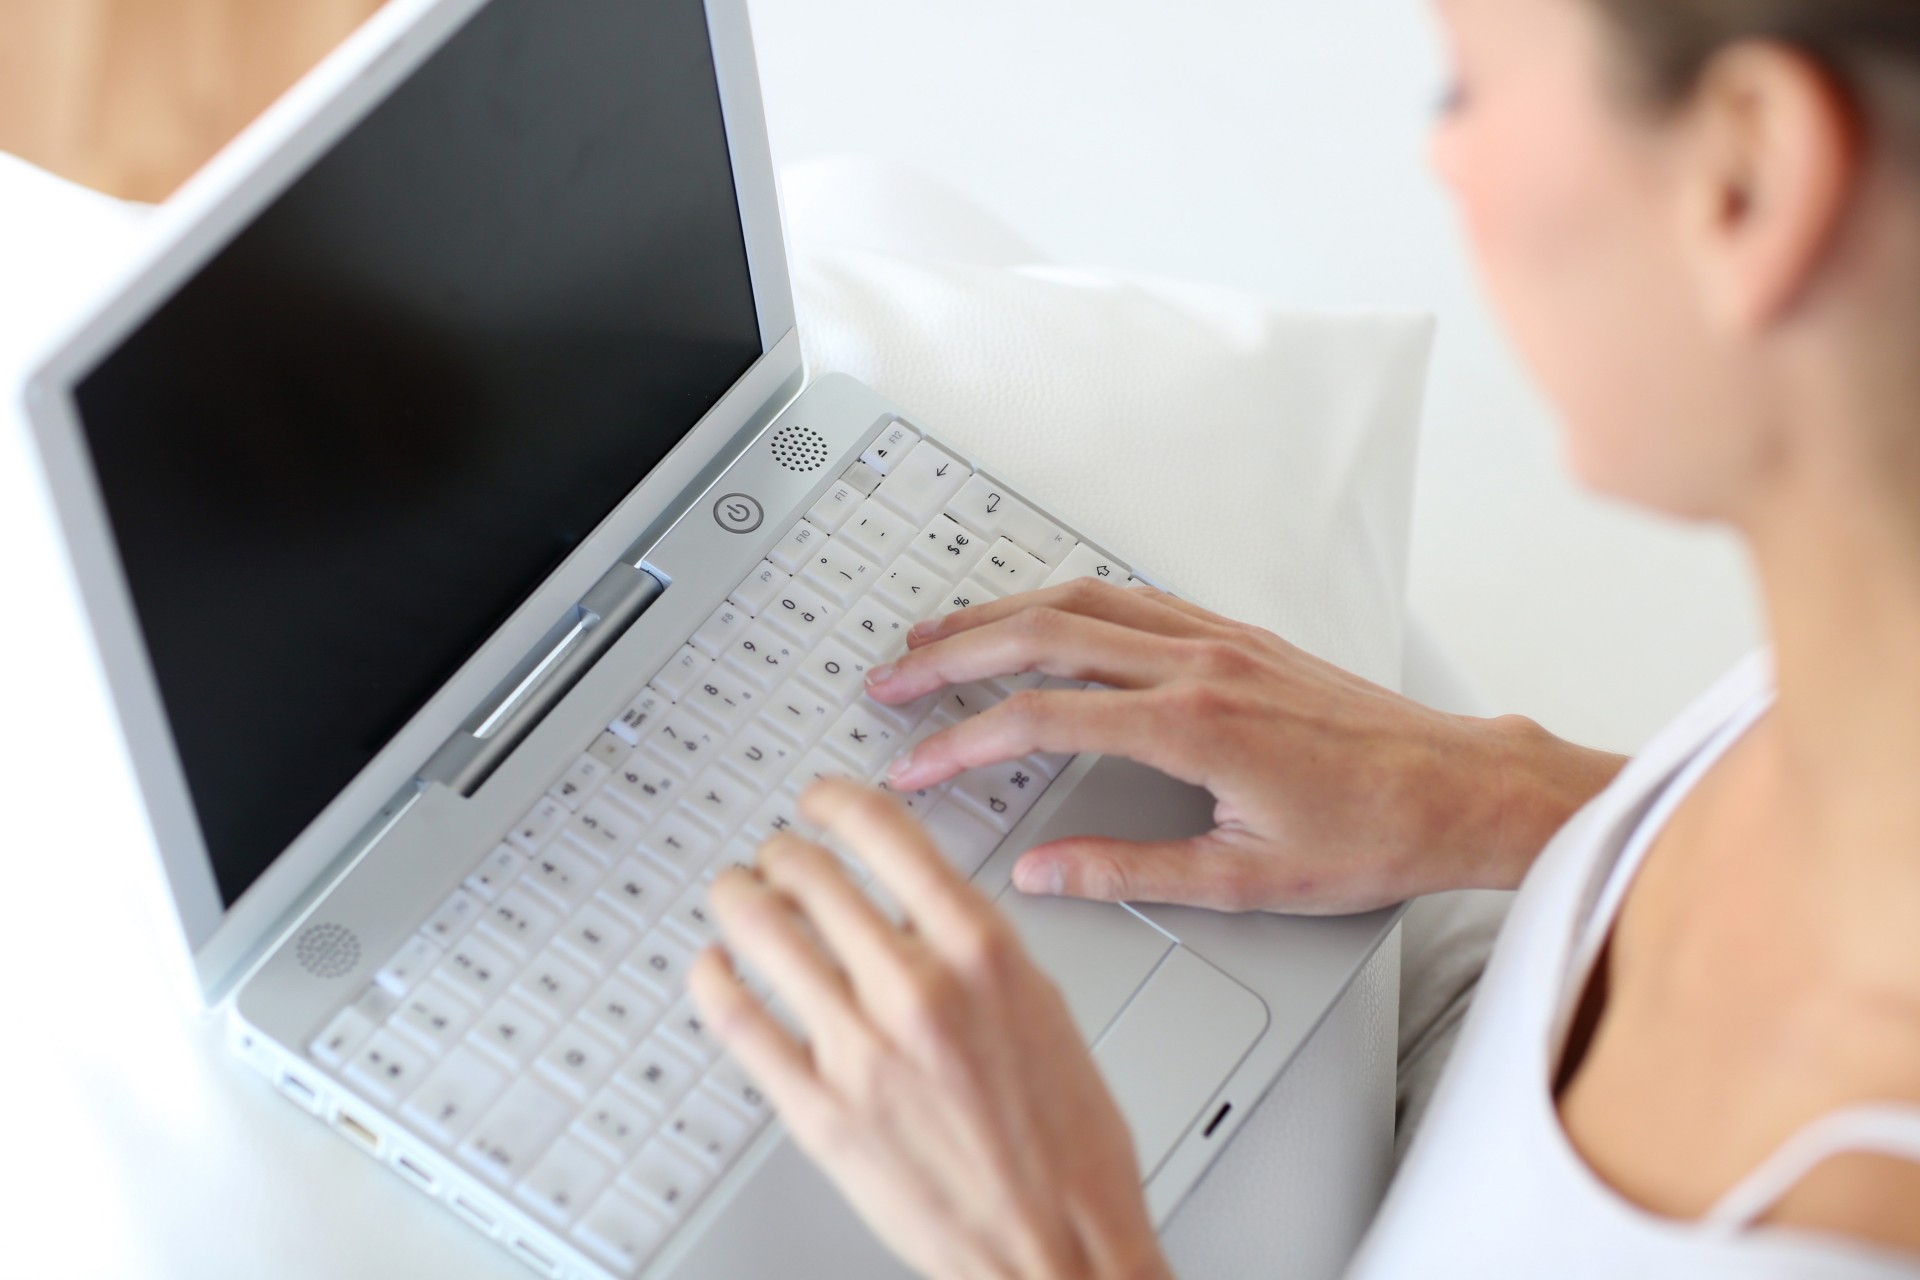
(923, 482)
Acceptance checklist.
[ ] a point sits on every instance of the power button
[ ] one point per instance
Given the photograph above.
(737, 513)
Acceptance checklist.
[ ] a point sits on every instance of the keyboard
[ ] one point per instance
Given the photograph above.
(535, 1032)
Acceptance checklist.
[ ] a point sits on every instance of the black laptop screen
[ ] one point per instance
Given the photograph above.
(352, 444)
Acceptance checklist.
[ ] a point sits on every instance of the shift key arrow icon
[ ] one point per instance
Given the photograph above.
(942, 471)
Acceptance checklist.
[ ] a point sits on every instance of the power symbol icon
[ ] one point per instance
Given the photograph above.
(738, 513)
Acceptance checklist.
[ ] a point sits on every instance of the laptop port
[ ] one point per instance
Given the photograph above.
(299, 1090)
(415, 1173)
(474, 1213)
(360, 1133)
(527, 1251)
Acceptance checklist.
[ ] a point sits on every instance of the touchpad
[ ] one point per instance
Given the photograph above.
(1099, 954)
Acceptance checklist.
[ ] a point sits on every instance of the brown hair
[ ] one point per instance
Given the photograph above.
(1871, 47)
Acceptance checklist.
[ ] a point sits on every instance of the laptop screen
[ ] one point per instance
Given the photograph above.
(350, 446)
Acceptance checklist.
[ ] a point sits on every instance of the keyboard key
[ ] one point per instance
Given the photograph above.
(386, 1067)
(433, 1017)
(565, 1181)
(562, 876)
(819, 763)
(545, 818)
(459, 911)
(681, 743)
(621, 1012)
(801, 614)
(918, 803)
(681, 846)
(660, 963)
(504, 1144)
(964, 700)
(687, 1031)
(798, 547)
(963, 838)
(837, 670)
(577, 1061)
(835, 505)
(892, 444)
(619, 1232)
(582, 778)
(781, 811)
(878, 532)
(711, 1133)
(798, 713)
(595, 938)
(763, 656)
(726, 698)
(758, 588)
(496, 871)
(343, 1034)
(968, 594)
(476, 970)
(983, 506)
(923, 482)
(681, 672)
(415, 959)
(665, 1180)
(1085, 561)
(839, 573)
(603, 829)
(646, 787)
(615, 1124)
(875, 631)
(949, 549)
(1009, 570)
(865, 741)
(454, 1095)
(862, 477)
(761, 757)
(1001, 795)
(511, 1032)
(638, 891)
(911, 588)
(657, 1075)
(610, 749)
(692, 917)
(720, 629)
(518, 923)
(729, 1081)
(553, 987)
(636, 722)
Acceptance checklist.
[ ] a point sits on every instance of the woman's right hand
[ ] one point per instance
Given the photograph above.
(1333, 795)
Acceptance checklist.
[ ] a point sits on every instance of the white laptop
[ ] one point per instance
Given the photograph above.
(476, 574)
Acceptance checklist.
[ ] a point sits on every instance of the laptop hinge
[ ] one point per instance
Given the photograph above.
(541, 679)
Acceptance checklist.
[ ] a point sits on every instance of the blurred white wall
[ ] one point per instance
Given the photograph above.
(1278, 145)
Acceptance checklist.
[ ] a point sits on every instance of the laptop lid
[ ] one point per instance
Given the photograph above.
(472, 311)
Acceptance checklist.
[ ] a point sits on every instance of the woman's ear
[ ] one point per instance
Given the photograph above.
(1769, 157)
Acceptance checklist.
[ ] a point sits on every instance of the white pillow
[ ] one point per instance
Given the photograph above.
(1258, 460)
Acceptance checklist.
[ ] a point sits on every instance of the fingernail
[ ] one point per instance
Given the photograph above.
(882, 673)
(901, 767)
(1041, 879)
(923, 631)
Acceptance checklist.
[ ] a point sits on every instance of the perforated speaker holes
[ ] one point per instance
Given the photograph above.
(799, 449)
(327, 950)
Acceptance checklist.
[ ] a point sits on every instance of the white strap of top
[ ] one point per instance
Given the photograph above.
(1884, 1129)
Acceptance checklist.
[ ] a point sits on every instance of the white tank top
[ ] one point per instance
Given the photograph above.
(1492, 1186)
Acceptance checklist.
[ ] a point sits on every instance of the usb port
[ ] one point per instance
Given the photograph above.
(360, 1133)
(299, 1090)
(415, 1173)
(474, 1213)
(532, 1253)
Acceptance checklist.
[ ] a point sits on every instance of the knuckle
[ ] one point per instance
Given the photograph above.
(1103, 876)
(1085, 592)
(1024, 709)
(1219, 659)
(983, 953)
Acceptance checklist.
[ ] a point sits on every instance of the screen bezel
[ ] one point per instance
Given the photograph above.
(199, 221)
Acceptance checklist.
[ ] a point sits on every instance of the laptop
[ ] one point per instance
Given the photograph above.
(476, 573)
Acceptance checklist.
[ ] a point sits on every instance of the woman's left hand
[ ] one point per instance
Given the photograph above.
(940, 1084)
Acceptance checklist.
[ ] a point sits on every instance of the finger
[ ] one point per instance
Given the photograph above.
(778, 1063)
(882, 834)
(1056, 722)
(864, 942)
(1206, 871)
(764, 928)
(1151, 611)
(1040, 639)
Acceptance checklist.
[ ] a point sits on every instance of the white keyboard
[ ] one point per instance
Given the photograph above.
(536, 1030)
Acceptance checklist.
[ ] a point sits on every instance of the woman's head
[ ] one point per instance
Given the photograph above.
(1701, 220)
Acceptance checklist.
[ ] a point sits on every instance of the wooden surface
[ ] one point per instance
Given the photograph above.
(131, 96)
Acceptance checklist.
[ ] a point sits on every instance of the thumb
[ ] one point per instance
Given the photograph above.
(1200, 872)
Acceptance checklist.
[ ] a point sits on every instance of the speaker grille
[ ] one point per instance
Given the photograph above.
(799, 449)
(327, 950)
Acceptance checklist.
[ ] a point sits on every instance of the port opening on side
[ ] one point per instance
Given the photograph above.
(299, 1090)
(474, 1214)
(1214, 1123)
(415, 1172)
(354, 1129)
(528, 1251)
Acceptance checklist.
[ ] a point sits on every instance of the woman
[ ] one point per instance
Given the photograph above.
(1697, 1047)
